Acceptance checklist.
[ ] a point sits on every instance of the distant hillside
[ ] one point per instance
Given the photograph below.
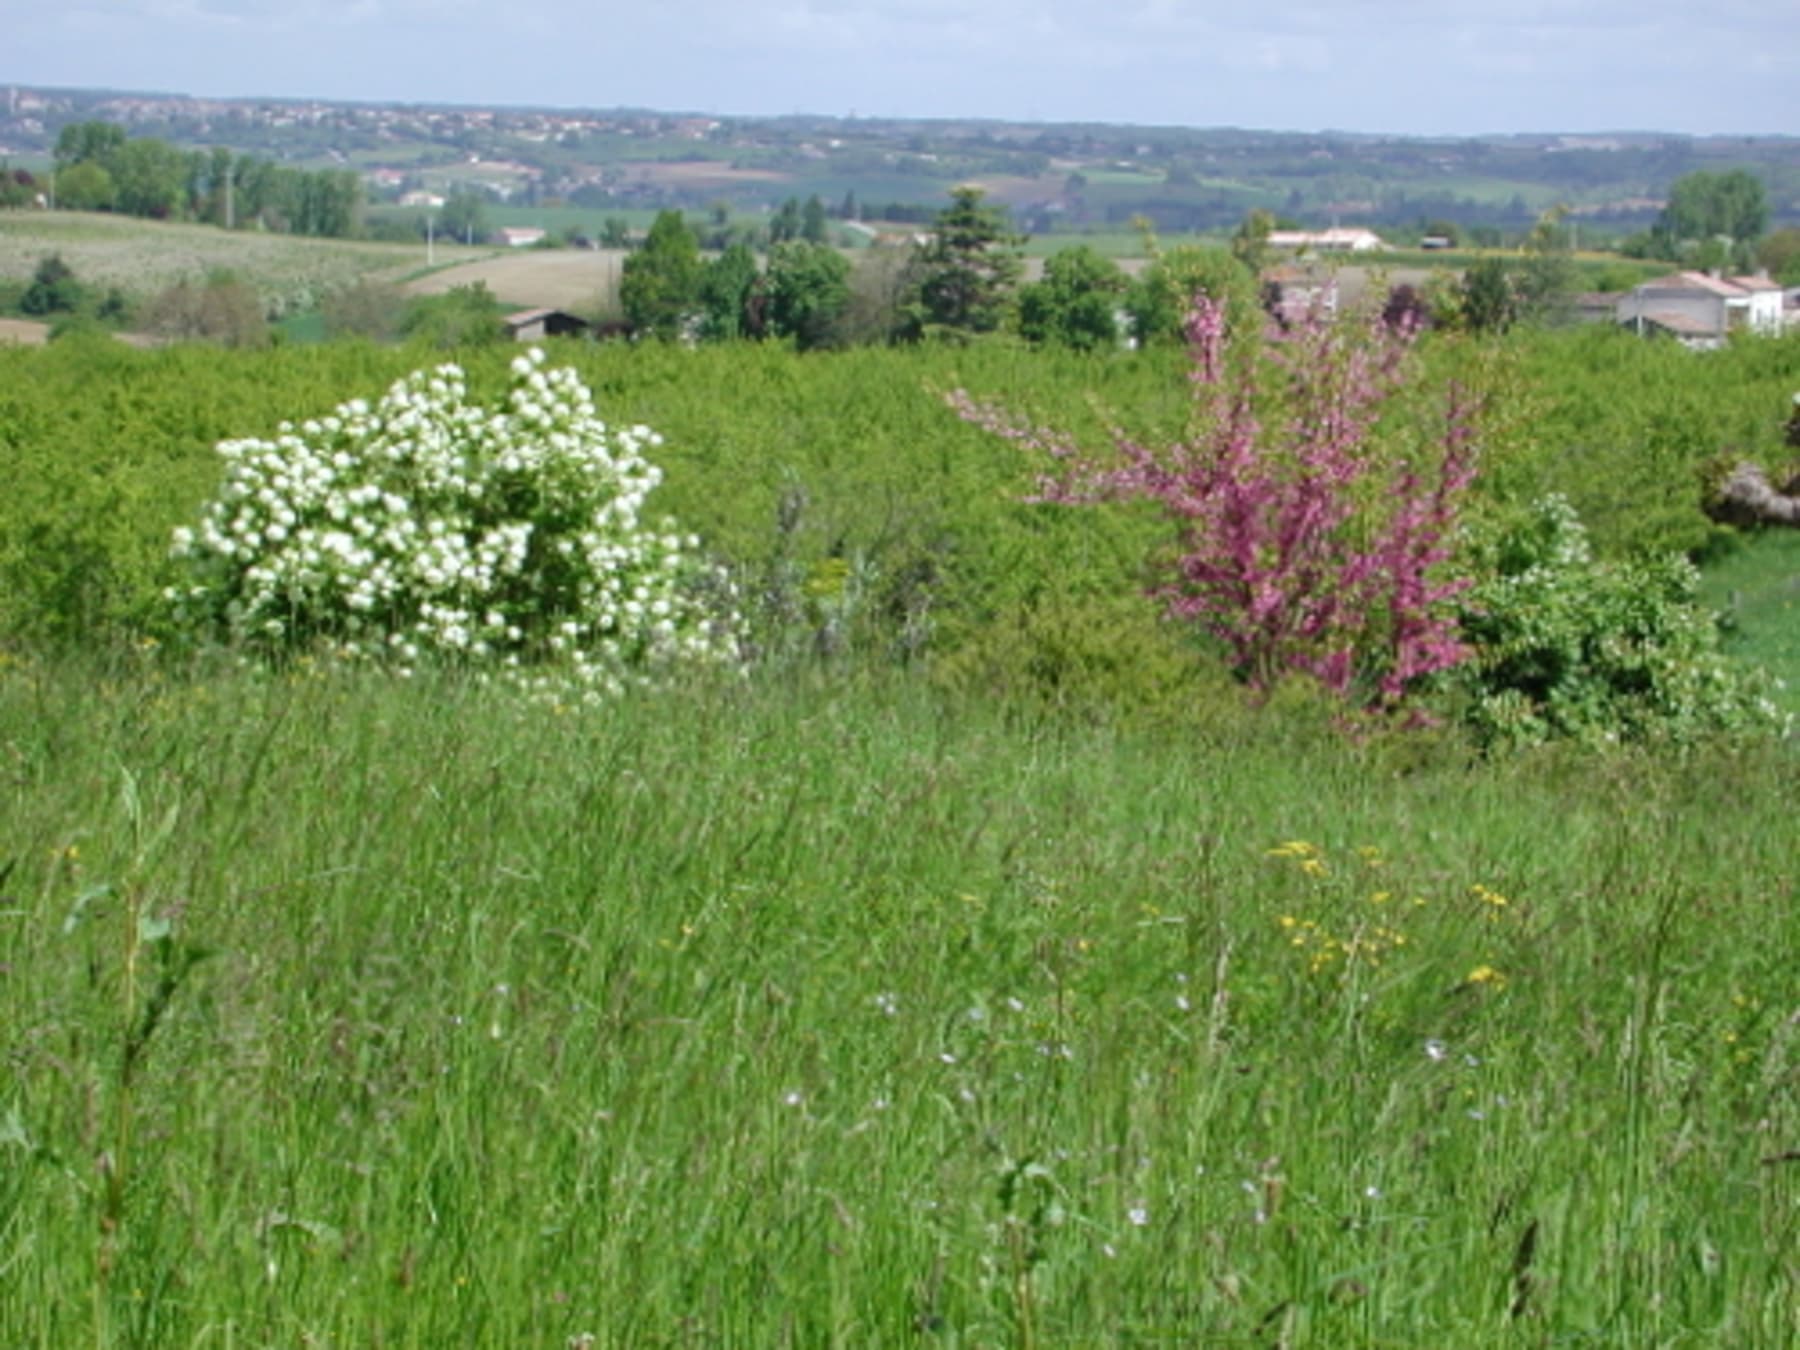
(1059, 178)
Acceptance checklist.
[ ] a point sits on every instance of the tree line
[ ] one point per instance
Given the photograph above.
(98, 167)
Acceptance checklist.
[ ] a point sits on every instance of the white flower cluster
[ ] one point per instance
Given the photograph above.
(432, 526)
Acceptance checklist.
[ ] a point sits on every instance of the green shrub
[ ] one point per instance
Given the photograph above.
(1569, 646)
(465, 316)
(54, 289)
(223, 309)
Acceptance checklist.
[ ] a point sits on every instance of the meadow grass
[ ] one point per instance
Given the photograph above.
(814, 1011)
(1757, 588)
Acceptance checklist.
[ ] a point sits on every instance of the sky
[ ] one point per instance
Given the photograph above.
(1386, 66)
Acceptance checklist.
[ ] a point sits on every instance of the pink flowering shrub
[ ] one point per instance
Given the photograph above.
(1301, 544)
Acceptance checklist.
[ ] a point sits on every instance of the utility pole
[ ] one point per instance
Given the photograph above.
(430, 253)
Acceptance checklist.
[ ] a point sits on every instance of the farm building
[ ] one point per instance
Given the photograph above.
(519, 236)
(533, 325)
(1334, 240)
(1701, 310)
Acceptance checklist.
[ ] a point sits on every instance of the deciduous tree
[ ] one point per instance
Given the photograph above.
(808, 287)
(464, 214)
(1163, 294)
(85, 186)
(80, 142)
(1076, 303)
(1732, 204)
(728, 295)
(659, 285)
(150, 178)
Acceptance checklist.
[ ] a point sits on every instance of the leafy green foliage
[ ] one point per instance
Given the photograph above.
(1488, 303)
(86, 186)
(807, 287)
(1076, 303)
(1566, 645)
(464, 316)
(54, 289)
(366, 308)
(1624, 428)
(464, 214)
(221, 309)
(149, 178)
(659, 285)
(727, 289)
(1779, 254)
(108, 449)
(1731, 204)
(1162, 296)
(966, 272)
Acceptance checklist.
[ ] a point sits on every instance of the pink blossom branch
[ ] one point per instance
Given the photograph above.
(1266, 524)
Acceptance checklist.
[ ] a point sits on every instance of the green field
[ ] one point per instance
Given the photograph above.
(142, 257)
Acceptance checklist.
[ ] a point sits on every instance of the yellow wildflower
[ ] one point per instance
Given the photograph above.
(1485, 974)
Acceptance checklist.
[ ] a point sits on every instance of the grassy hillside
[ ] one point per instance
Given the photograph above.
(142, 257)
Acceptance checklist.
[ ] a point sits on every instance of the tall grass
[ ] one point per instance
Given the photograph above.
(341, 1011)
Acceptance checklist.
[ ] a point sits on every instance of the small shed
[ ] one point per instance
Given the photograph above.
(533, 325)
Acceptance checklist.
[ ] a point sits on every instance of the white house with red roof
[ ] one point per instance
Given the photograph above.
(1701, 310)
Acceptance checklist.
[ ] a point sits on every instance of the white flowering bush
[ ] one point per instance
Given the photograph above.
(429, 527)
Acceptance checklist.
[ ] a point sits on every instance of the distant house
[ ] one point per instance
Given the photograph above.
(519, 236)
(1700, 310)
(1334, 240)
(430, 200)
(1292, 293)
(533, 325)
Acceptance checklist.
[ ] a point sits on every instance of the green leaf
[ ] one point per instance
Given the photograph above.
(82, 901)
